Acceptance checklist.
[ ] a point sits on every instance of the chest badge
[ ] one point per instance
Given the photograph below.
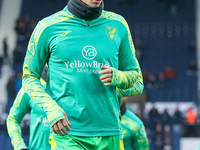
(111, 31)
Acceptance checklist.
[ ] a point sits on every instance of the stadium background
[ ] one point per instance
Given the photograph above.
(165, 34)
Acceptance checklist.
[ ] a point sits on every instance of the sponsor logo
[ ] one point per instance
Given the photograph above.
(91, 67)
(111, 31)
(89, 52)
(63, 35)
(86, 67)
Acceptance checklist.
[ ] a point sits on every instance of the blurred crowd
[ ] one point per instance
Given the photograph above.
(23, 28)
(164, 129)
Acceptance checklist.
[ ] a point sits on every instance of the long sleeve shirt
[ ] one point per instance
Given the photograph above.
(75, 50)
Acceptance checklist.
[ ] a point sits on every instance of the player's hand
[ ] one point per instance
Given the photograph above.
(107, 77)
(58, 126)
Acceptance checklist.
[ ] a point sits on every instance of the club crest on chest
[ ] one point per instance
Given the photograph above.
(111, 31)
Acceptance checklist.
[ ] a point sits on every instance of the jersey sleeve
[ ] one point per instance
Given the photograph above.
(128, 74)
(139, 139)
(36, 57)
(17, 112)
(129, 92)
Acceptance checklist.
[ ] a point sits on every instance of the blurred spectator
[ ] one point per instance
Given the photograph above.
(21, 28)
(167, 145)
(31, 27)
(177, 117)
(11, 92)
(10, 87)
(159, 142)
(149, 79)
(160, 80)
(177, 128)
(165, 118)
(167, 131)
(1, 64)
(192, 67)
(153, 113)
(169, 72)
(24, 28)
(159, 129)
(190, 120)
(163, 132)
(5, 47)
(167, 136)
(18, 56)
(191, 116)
(154, 117)
(152, 81)
(192, 47)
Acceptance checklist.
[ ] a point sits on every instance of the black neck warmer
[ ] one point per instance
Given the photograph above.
(83, 11)
(123, 108)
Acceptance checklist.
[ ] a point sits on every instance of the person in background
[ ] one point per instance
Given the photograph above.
(190, 122)
(80, 99)
(39, 125)
(5, 47)
(169, 72)
(166, 118)
(11, 92)
(133, 130)
(1, 65)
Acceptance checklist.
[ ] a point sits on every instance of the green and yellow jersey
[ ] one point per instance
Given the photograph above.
(39, 125)
(133, 131)
(75, 50)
